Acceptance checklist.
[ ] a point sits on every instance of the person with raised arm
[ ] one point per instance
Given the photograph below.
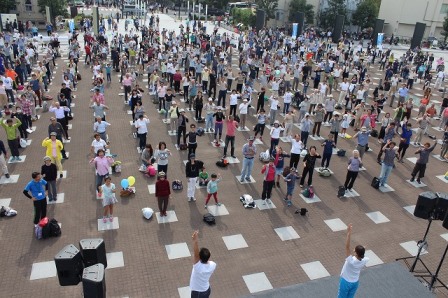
(202, 270)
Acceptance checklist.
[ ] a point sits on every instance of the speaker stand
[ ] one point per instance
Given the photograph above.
(421, 244)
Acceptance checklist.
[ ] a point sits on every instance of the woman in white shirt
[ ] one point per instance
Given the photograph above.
(275, 135)
(97, 144)
(274, 107)
(354, 262)
(296, 149)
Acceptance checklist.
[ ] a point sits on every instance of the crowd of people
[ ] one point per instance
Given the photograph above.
(256, 81)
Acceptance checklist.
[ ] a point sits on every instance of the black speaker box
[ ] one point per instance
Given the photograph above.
(94, 282)
(338, 27)
(69, 266)
(299, 18)
(73, 11)
(379, 26)
(93, 251)
(417, 38)
(259, 22)
(431, 204)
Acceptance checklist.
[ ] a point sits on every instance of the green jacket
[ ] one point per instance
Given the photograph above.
(10, 130)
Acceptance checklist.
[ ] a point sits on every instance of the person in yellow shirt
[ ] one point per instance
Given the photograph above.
(54, 147)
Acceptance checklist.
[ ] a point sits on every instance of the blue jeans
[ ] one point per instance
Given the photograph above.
(385, 172)
(347, 289)
(208, 121)
(248, 164)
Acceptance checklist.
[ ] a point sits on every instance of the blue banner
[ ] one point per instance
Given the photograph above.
(379, 41)
(295, 29)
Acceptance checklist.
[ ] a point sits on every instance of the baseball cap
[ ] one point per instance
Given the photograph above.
(53, 133)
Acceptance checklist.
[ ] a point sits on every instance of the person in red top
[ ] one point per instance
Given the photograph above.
(231, 125)
(269, 179)
(177, 78)
(163, 192)
(88, 54)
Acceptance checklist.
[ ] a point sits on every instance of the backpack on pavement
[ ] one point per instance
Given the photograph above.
(209, 218)
(55, 229)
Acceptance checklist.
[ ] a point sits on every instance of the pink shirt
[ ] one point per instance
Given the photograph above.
(99, 98)
(127, 81)
(231, 126)
(102, 164)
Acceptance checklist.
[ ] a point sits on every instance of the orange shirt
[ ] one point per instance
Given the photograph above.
(10, 73)
(424, 101)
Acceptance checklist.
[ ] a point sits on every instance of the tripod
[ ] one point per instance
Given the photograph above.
(422, 244)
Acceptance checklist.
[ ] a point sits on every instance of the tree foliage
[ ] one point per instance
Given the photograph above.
(269, 6)
(244, 16)
(445, 28)
(327, 18)
(366, 13)
(301, 6)
(215, 3)
(57, 7)
(7, 5)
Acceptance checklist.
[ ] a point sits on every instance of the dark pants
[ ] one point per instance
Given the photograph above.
(259, 128)
(294, 160)
(64, 124)
(326, 159)
(232, 110)
(192, 148)
(419, 169)
(40, 210)
(316, 128)
(335, 136)
(14, 147)
(222, 96)
(309, 172)
(304, 137)
(127, 91)
(196, 294)
(402, 147)
(274, 142)
(181, 130)
(212, 87)
(230, 139)
(142, 138)
(163, 203)
(267, 189)
(162, 168)
(350, 179)
(198, 112)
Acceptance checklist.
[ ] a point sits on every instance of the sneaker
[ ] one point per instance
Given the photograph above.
(289, 203)
(269, 201)
(161, 214)
(285, 199)
(248, 179)
(7, 176)
(264, 202)
(418, 181)
(233, 156)
(165, 214)
(301, 186)
(205, 206)
(218, 204)
(224, 156)
(18, 158)
(55, 199)
(193, 199)
(61, 175)
(111, 218)
(242, 179)
(104, 219)
(412, 179)
(189, 199)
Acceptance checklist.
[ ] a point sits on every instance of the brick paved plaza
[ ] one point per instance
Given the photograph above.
(255, 249)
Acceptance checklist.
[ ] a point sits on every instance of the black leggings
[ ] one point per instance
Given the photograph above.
(267, 189)
(350, 179)
(294, 160)
(40, 210)
(309, 172)
(259, 128)
(402, 147)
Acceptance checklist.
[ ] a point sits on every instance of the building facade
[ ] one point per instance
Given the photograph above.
(28, 10)
(400, 16)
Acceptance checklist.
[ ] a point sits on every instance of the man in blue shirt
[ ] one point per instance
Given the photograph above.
(402, 93)
(38, 195)
(363, 140)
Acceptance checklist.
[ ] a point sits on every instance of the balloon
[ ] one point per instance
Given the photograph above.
(124, 183)
(131, 180)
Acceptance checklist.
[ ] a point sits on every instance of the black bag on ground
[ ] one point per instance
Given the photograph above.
(46, 231)
(341, 152)
(302, 211)
(209, 218)
(341, 191)
(375, 183)
(55, 229)
(374, 133)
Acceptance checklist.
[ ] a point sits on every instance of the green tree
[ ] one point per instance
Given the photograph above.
(444, 31)
(269, 6)
(7, 5)
(365, 14)
(301, 6)
(327, 18)
(57, 8)
(244, 16)
(215, 3)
